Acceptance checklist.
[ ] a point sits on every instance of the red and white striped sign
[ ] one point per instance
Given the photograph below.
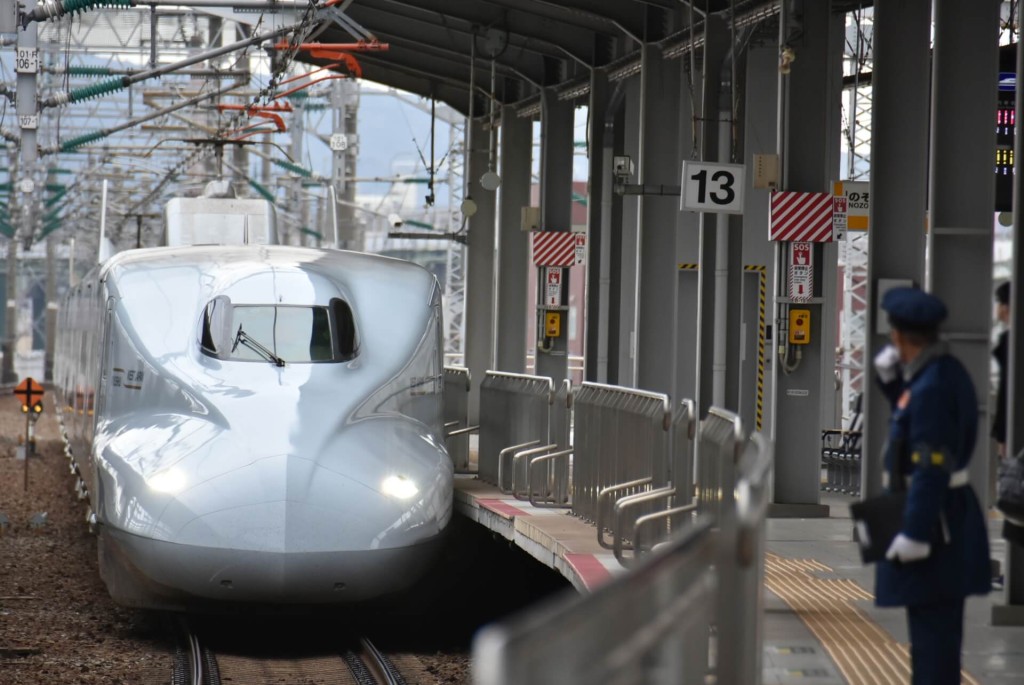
(555, 248)
(801, 217)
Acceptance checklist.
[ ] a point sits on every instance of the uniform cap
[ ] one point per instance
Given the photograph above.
(913, 309)
(1003, 293)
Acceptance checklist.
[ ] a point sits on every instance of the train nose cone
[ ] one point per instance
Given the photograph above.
(286, 503)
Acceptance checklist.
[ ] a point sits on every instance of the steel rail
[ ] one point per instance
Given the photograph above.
(369, 666)
(199, 665)
(387, 673)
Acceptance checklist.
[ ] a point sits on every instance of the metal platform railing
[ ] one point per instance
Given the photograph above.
(456, 412)
(542, 474)
(662, 509)
(841, 461)
(707, 576)
(622, 439)
(514, 416)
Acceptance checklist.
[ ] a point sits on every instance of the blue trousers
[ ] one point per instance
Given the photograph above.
(936, 633)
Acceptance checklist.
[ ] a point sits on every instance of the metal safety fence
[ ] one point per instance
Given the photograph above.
(841, 462)
(659, 510)
(622, 439)
(456, 412)
(542, 474)
(690, 611)
(514, 416)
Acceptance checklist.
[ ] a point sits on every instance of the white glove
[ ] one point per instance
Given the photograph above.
(887, 363)
(907, 549)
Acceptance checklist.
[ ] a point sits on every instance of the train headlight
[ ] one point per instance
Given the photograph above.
(399, 487)
(169, 481)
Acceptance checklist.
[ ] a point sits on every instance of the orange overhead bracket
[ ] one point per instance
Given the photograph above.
(350, 62)
(308, 74)
(270, 112)
(338, 52)
(326, 67)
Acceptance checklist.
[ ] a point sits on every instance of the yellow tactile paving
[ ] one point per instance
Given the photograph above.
(864, 653)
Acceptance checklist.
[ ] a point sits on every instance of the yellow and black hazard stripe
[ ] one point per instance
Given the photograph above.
(688, 267)
(762, 294)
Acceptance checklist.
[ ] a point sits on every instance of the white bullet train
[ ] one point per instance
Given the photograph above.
(256, 424)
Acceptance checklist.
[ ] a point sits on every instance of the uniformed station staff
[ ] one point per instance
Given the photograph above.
(941, 554)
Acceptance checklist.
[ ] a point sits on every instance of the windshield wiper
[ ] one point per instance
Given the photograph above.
(248, 341)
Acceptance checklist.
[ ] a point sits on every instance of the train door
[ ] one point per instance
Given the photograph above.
(106, 354)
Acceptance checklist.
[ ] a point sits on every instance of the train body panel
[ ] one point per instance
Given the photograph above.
(195, 443)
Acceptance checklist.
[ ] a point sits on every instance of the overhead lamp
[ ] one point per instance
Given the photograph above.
(490, 181)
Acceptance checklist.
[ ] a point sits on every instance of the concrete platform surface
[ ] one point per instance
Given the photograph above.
(820, 625)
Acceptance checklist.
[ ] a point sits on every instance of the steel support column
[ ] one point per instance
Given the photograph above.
(51, 307)
(556, 149)
(599, 195)
(626, 260)
(514, 266)
(658, 164)
(899, 153)
(479, 268)
(810, 159)
(716, 48)
(1011, 612)
(965, 70)
(27, 105)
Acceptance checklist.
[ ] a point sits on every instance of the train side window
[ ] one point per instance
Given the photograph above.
(215, 337)
(345, 326)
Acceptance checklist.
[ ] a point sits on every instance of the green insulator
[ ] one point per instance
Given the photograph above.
(89, 71)
(49, 228)
(69, 145)
(298, 95)
(420, 224)
(294, 168)
(309, 231)
(267, 195)
(56, 187)
(97, 89)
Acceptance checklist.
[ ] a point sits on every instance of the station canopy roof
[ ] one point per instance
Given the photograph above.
(525, 46)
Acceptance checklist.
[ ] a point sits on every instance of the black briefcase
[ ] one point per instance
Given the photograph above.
(878, 521)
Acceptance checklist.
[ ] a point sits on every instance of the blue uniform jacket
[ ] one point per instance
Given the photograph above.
(932, 430)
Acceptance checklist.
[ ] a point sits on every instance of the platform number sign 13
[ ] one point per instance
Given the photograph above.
(712, 187)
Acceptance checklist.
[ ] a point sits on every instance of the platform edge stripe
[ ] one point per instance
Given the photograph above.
(589, 568)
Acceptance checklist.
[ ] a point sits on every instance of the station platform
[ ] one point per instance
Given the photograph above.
(820, 625)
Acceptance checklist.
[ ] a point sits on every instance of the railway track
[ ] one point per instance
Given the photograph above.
(371, 667)
(194, 664)
(360, 663)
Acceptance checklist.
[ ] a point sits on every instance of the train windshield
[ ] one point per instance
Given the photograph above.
(279, 333)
